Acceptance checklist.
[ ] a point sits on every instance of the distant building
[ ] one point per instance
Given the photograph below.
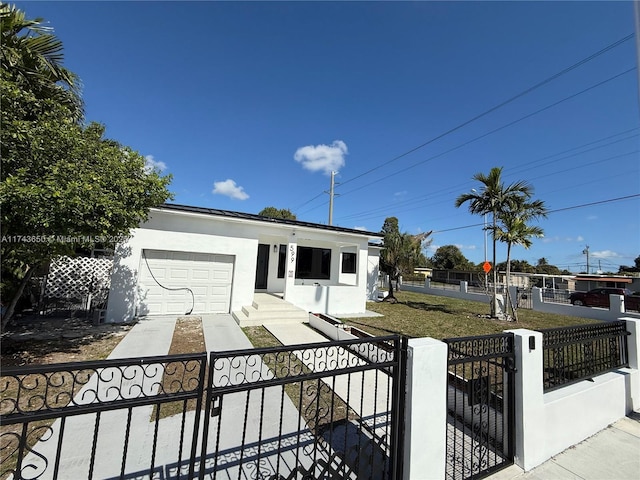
(588, 282)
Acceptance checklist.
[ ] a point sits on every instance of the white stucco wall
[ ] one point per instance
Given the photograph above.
(548, 423)
(333, 299)
(614, 312)
(373, 272)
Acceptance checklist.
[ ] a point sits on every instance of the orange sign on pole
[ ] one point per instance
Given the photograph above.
(486, 266)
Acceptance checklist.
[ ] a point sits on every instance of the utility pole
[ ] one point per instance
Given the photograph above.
(586, 252)
(495, 270)
(636, 11)
(331, 194)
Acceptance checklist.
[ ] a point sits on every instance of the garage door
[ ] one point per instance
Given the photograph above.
(179, 282)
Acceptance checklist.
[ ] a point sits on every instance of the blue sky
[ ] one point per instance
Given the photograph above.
(252, 104)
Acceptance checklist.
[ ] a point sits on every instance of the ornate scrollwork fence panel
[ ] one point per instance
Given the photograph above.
(325, 410)
(53, 415)
(572, 354)
(480, 405)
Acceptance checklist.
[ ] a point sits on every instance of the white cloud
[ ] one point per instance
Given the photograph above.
(579, 238)
(605, 254)
(364, 229)
(150, 164)
(465, 247)
(229, 189)
(324, 158)
(592, 217)
(400, 194)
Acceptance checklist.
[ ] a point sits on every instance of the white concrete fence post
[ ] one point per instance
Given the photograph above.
(633, 351)
(616, 304)
(529, 399)
(425, 440)
(513, 293)
(536, 298)
(464, 286)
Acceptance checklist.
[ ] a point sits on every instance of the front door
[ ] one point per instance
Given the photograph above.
(262, 269)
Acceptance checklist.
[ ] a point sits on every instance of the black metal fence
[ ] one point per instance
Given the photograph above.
(555, 295)
(326, 410)
(480, 403)
(94, 419)
(571, 354)
(329, 410)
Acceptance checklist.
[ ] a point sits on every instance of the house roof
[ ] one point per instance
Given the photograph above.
(259, 218)
(597, 278)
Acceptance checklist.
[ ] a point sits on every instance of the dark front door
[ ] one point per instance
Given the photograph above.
(263, 266)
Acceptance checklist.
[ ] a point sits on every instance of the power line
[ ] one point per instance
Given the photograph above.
(500, 105)
(493, 131)
(627, 197)
(457, 187)
(492, 109)
(485, 134)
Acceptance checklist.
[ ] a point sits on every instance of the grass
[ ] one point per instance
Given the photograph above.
(311, 397)
(422, 315)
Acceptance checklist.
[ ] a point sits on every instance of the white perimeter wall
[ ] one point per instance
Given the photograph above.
(548, 423)
(614, 312)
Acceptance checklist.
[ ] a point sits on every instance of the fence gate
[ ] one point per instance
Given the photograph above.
(316, 411)
(480, 405)
(109, 419)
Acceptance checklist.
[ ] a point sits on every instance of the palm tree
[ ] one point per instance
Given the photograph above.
(514, 230)
(401, 253)
(32, 56)
(494, 197)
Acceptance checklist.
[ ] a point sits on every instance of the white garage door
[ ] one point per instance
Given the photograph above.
(168, 279)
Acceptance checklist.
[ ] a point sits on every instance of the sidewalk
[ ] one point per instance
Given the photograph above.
(611, 454)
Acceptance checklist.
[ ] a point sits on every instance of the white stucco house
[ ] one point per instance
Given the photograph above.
(200, 260)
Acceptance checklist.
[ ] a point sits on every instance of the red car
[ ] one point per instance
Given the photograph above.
(599, 297)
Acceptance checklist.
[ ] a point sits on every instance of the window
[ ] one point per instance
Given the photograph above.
(314, 263)
(282, 260)
(349, 263)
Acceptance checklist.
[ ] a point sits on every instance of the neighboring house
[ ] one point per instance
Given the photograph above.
(200, 260)
(455, 276)
(585, 283)
(542, 280)
(424, 271)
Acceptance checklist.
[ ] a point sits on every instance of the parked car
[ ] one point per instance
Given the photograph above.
(599, 297)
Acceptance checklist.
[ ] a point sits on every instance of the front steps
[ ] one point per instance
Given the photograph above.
(269, 309)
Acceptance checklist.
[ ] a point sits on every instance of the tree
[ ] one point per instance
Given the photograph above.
(514, 230)
(494, 197)
(449, 257)
(64, 186)
(32, 57)
(626, 269)
(402, 252)
(543, 266)
(273, 212)
(517, 266)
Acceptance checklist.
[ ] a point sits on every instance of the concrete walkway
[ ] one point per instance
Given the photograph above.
(149, 337)
(611, 454)
(368, 393)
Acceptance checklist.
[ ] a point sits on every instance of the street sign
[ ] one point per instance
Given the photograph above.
(486, 266)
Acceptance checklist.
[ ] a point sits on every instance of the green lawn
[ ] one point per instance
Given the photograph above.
(421, 315)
